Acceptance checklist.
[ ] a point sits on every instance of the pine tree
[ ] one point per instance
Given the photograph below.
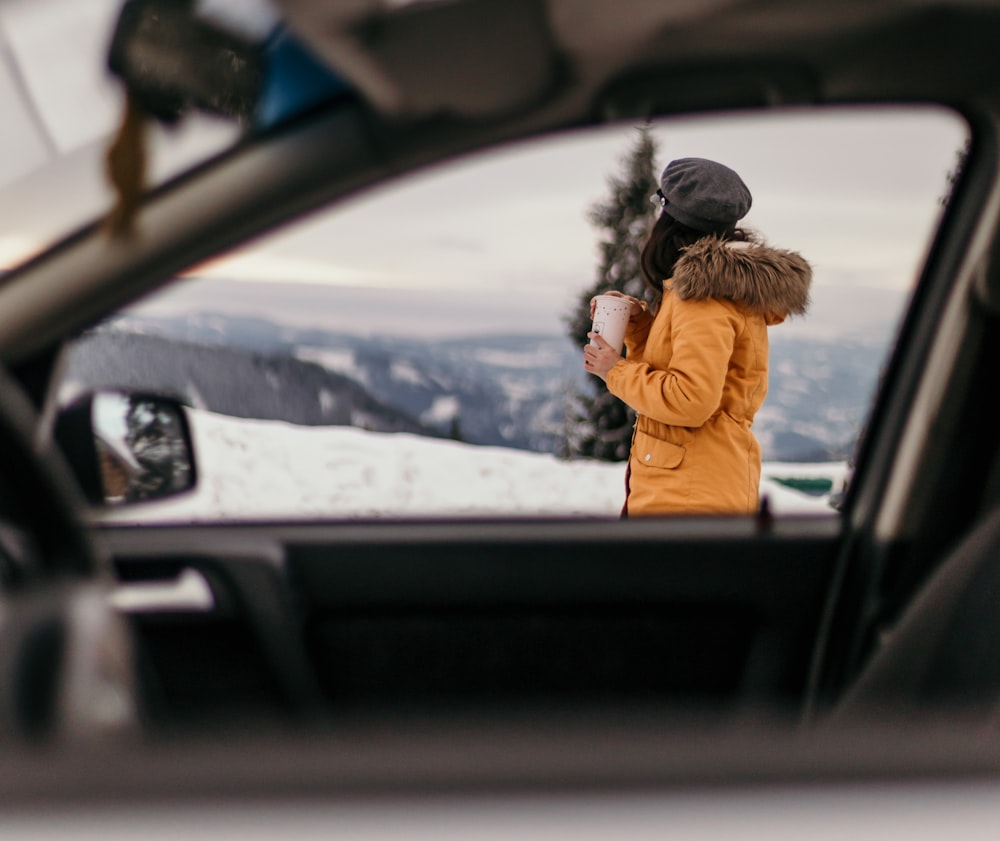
(601, 424)
(956, 172)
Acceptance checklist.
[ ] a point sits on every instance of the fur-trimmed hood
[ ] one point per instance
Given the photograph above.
(767, 280)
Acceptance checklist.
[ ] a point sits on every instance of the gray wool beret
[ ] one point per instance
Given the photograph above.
(703, 194)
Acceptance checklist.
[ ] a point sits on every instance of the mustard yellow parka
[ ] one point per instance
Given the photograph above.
(696, 374)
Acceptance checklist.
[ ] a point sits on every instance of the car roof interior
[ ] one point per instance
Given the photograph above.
(527, 53)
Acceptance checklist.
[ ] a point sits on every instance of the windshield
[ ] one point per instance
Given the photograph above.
(61, 107)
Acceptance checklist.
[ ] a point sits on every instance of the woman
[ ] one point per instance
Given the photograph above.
(695, 369)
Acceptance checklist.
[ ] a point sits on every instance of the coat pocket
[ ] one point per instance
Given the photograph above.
(655, 452)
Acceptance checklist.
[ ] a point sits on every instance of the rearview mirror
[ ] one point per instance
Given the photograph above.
(127, 448)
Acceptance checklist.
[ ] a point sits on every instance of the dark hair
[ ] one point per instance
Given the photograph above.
(665, 243)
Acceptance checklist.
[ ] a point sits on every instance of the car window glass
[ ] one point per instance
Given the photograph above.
(406, 353)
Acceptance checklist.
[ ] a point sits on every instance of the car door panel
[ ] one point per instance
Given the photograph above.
(351, 618)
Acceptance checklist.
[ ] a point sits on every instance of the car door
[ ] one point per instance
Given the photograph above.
(285, 597)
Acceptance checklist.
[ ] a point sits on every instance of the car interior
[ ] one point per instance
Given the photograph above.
(304, 657)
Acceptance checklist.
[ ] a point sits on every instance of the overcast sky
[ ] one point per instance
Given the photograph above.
(855, 191)
(857, 194)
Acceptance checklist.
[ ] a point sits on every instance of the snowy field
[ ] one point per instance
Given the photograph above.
(274, 470)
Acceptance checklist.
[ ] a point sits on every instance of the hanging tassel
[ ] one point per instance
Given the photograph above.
(126, 168)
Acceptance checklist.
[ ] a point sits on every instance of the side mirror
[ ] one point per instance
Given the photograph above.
(126, 448)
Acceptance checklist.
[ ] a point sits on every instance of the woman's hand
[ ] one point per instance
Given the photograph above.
(600, 358)
(635, 305)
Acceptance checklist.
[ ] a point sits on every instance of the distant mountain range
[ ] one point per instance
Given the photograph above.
(506, 391)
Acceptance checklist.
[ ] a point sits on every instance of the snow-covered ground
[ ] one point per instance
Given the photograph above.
(251, 469)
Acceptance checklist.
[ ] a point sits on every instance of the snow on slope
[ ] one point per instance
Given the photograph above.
(251, 469)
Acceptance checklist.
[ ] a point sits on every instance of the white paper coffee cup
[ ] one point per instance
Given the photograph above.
(611, 315)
